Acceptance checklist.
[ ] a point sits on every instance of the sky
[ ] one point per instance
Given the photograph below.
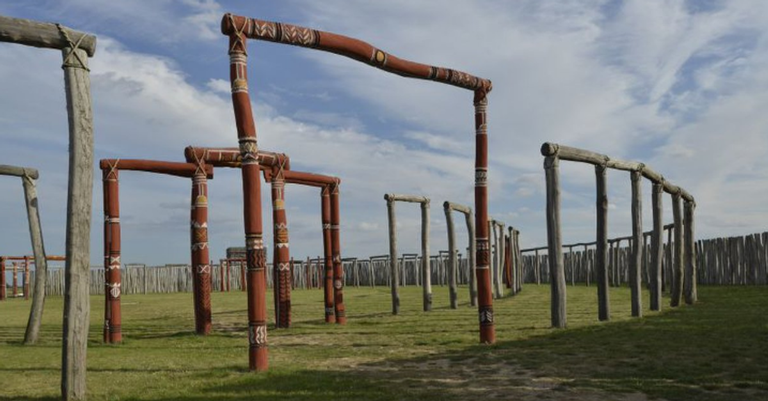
(681, 86)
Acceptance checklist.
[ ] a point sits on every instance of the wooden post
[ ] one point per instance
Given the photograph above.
(394, 268)
(537, 267)
(41, 263)
(636, 260)
(554, 241)
(338, 269)
(330, 314)
(25, 278)
(2, 278)
(678, 266)
(282, 257)
(452, 262)
(201, 267)
(471, 257)
(254, 243)
(112, 264)
(15, 279)
(426, 273)
(657, 248)
(485, 300)
(690, 255)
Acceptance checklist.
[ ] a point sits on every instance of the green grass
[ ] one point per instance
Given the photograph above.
(717, 350)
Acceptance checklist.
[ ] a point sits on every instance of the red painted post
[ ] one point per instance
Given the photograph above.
(484, 296)
(282, 257)
(338, 270)
(201, 267)
(112, 290)
(330, 314)
(254, 243)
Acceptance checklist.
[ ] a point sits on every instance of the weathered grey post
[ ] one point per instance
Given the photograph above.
(501, 256)
(677, 276)
(425, 268)
(601, 252)
(636, 261)
(426, 273)
(657, 249)
(452, 262)
(690, 254)
(28, 177)
(75, 47)
(470, 222)
(393, 267)
(554, 243)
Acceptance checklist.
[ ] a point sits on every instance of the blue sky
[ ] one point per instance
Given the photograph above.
(679, 85)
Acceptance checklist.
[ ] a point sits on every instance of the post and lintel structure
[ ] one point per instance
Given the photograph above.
(469, 218)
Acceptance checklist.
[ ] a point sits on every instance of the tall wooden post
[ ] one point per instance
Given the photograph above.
(426, 273)
(15, 279)
(657, 248)
(201, 267)
(678, 263)
(112, 264)
(256, 257)
(601, 251)
(25, 278)
(508, 265)
(452, 262)
(2, 278)
(690, 291)
(471, 257)
(393, 265)
(554, 243)
(41, 263)
(338, 269)
(636, 261)
(282, 257)
(330, 314)
(484, 292)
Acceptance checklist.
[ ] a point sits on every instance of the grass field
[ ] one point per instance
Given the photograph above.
(717, 350)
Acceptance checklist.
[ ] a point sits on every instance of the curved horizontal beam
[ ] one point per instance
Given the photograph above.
(598, 159)
(457, 207)
(302, 178)
(230, 157)
(186, 170)
(19, 171)
(350, 47)
(43, 34)
(405, 198)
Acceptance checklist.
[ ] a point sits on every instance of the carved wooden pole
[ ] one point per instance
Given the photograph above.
(254, 243)
(394, 269)
(452, 262)
(338, 270)
(330, 313)
(2, 278)
(556, 268)
(678, 264)
(657, 248)
(690, 291)
(636, 261)
(601, 251)
(112, 263)
(282, 257)
(485, 300)
(201, 267)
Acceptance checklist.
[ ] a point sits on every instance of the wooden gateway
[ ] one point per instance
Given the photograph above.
(239, 29)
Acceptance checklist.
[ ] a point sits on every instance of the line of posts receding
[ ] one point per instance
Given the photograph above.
(684, 277)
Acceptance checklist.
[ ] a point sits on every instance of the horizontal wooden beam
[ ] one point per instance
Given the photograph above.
(230, 157)
(42, 34)
(349, 47)
(19, 171)
(405, 198)
(586, 156)
(154, 166)
(666, 227)
(457, 207)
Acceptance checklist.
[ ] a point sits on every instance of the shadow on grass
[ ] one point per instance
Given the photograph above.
(714, 351)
